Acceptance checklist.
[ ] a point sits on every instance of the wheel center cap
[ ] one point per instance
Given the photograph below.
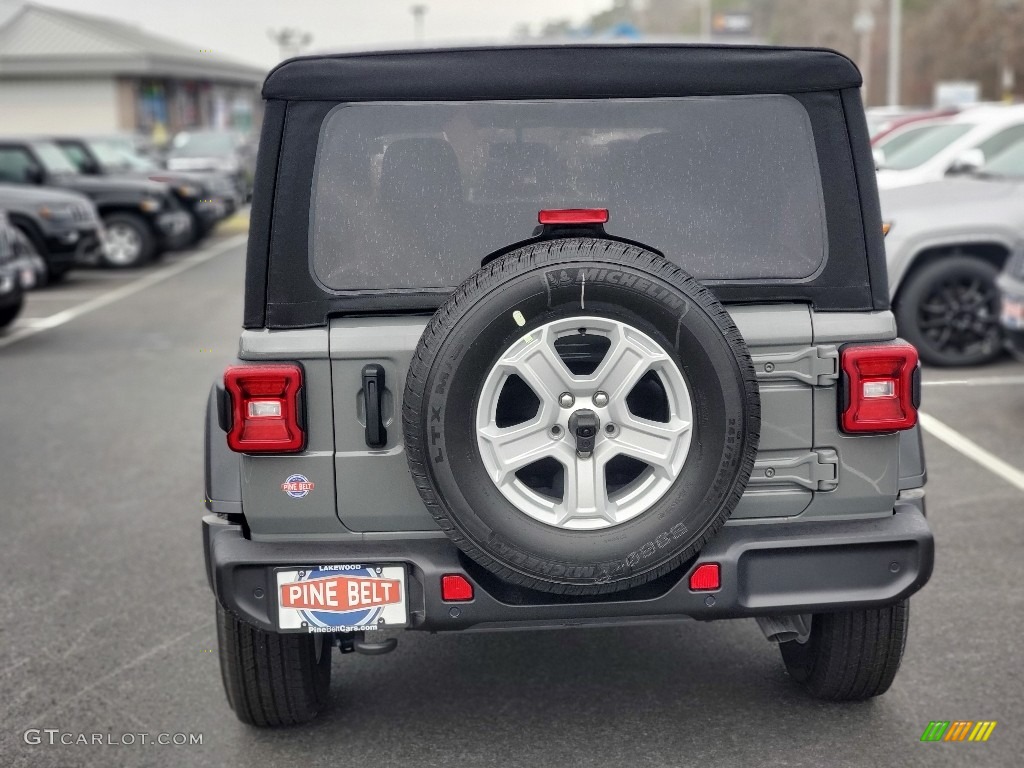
(583, 426)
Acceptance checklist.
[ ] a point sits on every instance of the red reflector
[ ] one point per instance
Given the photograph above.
(880, 387)
(264, 408)
(705, 578)
(573, 216)
(455, 588)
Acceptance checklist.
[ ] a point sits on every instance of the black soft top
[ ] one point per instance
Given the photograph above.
(283, 292)
(561, 71)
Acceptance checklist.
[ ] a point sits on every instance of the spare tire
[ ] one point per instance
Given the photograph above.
(581, 416)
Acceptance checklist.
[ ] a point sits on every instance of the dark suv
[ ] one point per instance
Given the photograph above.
(60, 227)
(524, 349)
(201, 194)
(142, 218)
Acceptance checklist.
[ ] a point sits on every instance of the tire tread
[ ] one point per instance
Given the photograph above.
(850, 655)
(271, 679)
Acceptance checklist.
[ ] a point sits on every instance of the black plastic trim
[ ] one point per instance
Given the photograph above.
(223, 402)
(766, 568)
(545, 71)
(373, 405)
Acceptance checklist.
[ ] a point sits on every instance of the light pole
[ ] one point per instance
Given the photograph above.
(418, 11)
(1008, 48)
(705, 20)
(895, 50)
(864, 25)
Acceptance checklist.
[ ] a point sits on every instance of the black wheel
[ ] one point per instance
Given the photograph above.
(8, 314)
(272, 679)
(551, 407)
(949, 310)
(130, 241)
(852, 655)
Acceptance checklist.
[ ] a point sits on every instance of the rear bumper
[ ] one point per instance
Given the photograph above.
(766, 569)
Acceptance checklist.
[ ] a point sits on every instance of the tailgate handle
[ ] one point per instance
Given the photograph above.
(373, 401)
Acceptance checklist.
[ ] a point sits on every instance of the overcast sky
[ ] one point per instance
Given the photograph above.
(238, 28)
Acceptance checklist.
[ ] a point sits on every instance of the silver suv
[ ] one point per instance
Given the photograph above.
(563, 336)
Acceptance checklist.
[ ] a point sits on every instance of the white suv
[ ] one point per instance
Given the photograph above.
(945, 145)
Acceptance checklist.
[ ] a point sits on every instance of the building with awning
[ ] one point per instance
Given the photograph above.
(76, 73)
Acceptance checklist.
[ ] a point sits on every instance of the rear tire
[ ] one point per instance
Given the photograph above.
(938, 300)
(850, 656)
(271, 679)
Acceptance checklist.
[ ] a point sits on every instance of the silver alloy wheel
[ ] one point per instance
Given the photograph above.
(587, 500)
(123, 246)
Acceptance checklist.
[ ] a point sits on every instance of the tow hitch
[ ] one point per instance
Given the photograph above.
(356, 642)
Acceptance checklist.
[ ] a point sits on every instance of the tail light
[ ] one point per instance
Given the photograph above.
(882, 387)
(573, 216)
(265, 408)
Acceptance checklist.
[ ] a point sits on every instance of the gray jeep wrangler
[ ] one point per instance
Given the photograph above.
(563, 336)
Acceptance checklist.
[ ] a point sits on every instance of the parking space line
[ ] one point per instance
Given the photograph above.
(34, 322)
(40, 324)
(58, 296)
(983, 381)
(971, 450)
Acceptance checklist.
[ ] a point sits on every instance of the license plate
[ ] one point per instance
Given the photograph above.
(1013, 312)
(341, 598)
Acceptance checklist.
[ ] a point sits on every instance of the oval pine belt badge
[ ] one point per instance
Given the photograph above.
(297, 486)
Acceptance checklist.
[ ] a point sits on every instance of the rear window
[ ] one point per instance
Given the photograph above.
(414, 195)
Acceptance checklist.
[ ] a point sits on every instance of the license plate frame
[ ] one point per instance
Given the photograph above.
(320, 598)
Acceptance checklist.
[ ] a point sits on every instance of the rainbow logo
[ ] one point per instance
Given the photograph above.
(958, 730)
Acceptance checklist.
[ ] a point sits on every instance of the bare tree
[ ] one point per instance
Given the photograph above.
(941, 39)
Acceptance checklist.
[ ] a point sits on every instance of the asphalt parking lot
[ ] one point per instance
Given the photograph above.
(108, 621)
